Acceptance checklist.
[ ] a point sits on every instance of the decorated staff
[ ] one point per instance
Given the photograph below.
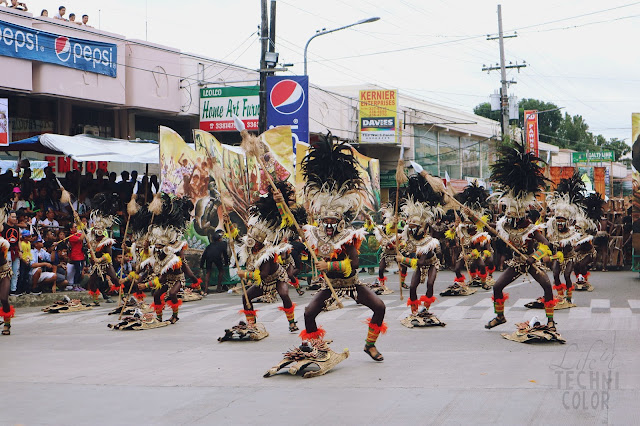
(401, 179)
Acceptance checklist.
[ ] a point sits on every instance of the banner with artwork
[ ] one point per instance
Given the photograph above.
(278, 157)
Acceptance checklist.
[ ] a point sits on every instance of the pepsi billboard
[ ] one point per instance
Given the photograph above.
(288, 105)
(21, 42)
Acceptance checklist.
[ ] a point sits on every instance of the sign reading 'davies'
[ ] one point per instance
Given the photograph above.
(378, 113)
(87, 55)
(218, 105)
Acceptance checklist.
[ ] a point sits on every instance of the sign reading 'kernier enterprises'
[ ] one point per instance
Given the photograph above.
(218, 106)
(378, 116)
(581, 157)
(87, 55)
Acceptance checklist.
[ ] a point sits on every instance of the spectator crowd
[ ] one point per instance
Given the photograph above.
(47, 253)
(62, 11)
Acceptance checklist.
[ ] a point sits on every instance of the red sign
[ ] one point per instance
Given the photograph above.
(531, 130)
(227, 125)
(62, 164)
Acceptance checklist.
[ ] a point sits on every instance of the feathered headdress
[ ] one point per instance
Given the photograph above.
(169, 225)
(104, 207)
(573, 187)
(333, 184)
(561, 206)
(475, 198)
(423, 204)
(593, 207)
(520, 177)
(266, 210)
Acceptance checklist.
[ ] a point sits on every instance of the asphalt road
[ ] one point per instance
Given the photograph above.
(72, 369)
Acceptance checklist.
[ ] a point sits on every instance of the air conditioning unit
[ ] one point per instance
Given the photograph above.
(91, 130)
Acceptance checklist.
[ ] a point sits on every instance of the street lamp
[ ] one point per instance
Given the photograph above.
(323, 32)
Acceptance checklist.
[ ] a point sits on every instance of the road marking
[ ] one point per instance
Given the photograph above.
(600, 306)
(635, 306)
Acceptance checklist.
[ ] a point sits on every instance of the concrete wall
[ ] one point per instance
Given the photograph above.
(159, 89)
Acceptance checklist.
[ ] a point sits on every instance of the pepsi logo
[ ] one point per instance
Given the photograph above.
(63, 48)
(287, 97)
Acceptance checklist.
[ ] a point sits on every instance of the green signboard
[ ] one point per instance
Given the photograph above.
(597, 156)
(387, 179)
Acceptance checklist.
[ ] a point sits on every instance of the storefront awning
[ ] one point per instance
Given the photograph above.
(90, 148)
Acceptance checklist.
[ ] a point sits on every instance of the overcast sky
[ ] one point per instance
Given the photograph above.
(580, 54)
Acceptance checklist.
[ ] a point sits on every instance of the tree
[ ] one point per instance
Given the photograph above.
(484, 110)
(548, 122)
(618, 146)
(573, 133)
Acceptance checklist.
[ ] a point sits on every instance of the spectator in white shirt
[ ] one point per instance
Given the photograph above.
(85, 19)
(61, 11)
(50, 221)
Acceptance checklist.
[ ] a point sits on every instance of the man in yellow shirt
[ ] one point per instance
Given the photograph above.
(25, 262)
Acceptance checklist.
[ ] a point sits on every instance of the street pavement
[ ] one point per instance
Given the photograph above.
(72, 369)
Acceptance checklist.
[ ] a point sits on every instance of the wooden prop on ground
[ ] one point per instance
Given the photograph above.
(218, 176)
(438, 186)
(252, 147)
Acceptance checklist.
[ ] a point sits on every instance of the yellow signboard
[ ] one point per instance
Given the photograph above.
(378, 116)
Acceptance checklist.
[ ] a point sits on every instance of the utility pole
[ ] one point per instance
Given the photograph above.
(504, 97)
(264, 38)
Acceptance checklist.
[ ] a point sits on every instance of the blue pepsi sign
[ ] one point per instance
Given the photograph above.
(87, 55)
(288, 105)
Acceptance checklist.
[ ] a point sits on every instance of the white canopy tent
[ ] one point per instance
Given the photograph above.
(89, 148)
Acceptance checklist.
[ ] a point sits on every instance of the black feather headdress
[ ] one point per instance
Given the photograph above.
(105, 203)
(420, 191)
(593, 206)
(519, 174)
(333, 185)
(474, 196)
(331, 165)
(574, 187)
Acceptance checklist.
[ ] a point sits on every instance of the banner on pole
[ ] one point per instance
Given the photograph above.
(378, 116)
(531, 130)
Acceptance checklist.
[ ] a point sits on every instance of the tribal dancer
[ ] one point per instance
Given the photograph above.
(419, 249)
(586, 225)
(387, 237)
(565, 205)
(334, 189)
(521, 178)
(262, 252)
(165, 270)
(292, 264)
(6, 310)
(476, 252)
(104, 206)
